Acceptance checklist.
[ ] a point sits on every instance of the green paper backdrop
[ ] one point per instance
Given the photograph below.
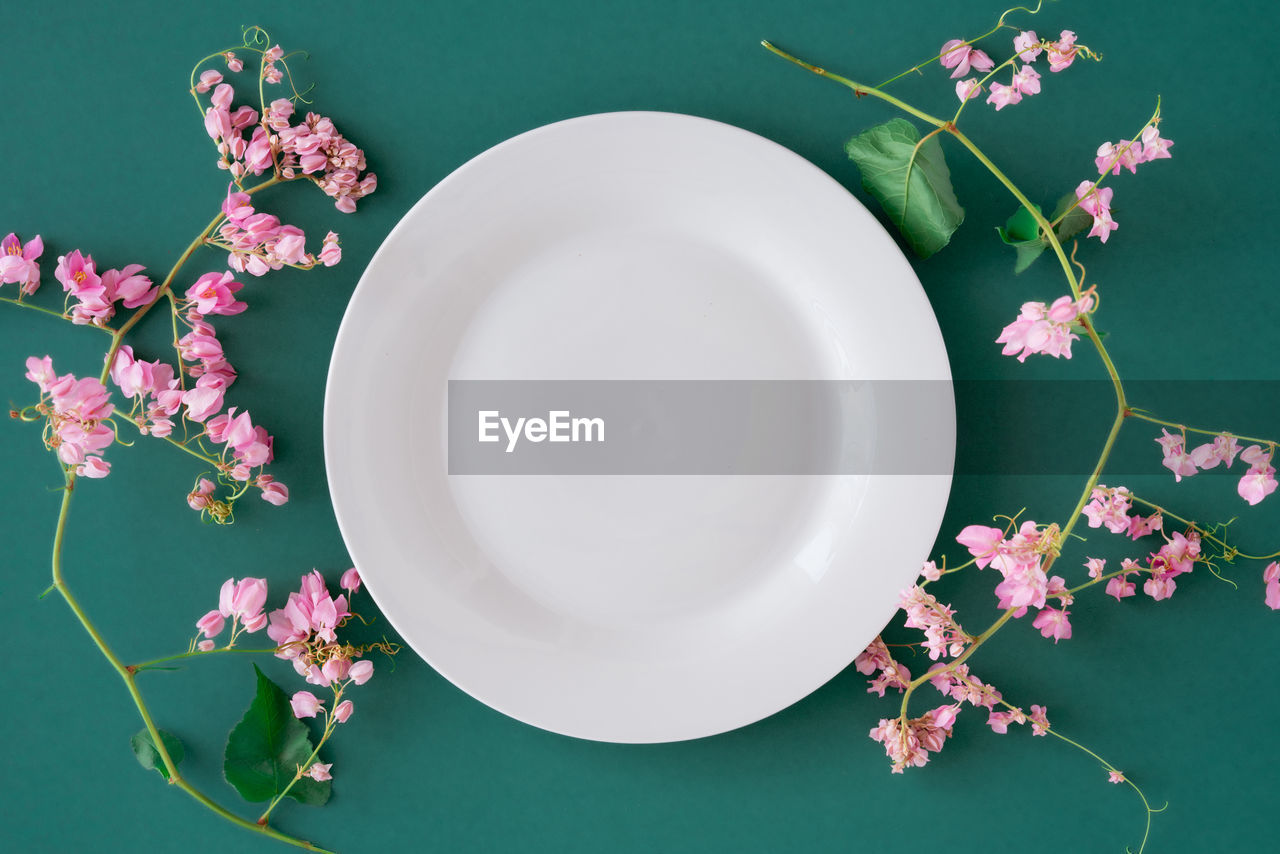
(104, 152)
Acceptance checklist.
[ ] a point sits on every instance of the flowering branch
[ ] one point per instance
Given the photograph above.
(80, 420)
(1024, 557)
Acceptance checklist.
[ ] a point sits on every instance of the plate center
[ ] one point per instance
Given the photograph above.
(638, 302)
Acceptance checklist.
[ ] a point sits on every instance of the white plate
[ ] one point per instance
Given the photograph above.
(629, 608)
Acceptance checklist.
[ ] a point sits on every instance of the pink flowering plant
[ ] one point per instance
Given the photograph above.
(183, 401)
(907, 173)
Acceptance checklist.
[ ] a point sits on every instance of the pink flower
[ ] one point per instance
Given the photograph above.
(1222, 449)
(983, 542)
(930, 571)
(999, 721)
(335, 669)
(1140, 527)
(93, 468)
(208, 79)
(1159, 587)
(343, 711)
(210, 625)
(1044, 329)
(1260, 480)
(1063, 52)
(943, 635)
(78, 275)
(320, 771)
(961, 56)
(233, 63)
(305, 704)
(1110, 507)
(350, 581)
(1096, 566)
(330, 252)
(967, 90)
(911, 745)
(1026, 45)
(214, 293)
(1039, 720)
(198, 498)
(1154, 147)
(1053, 623)
(1027, 80)
(876, 659)
(243, 600)
(361, 672)
(18, 263)
(1112, 157)
(273, 492)
(1271, 576)
(1114, 776)
(1002, 96)
(1097, 203)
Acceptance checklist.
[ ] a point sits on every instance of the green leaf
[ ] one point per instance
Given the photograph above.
(1074, 223)
(148, 757)
(1022, 232)
(925, 208)
(267, 746)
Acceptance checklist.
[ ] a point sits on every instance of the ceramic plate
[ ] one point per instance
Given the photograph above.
(630, 246)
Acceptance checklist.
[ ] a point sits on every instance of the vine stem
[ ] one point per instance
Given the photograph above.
(23, 304)
(199, 653)
(1208, 535)
(1046, 228)
(128, 673)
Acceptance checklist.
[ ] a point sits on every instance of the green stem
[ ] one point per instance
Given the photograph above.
(22, 304)
(297, 775)
(262, 829)
(200, 653)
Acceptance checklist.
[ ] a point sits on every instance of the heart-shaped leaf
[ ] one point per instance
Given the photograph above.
(266, 748)
(148, 757)
(911, 181)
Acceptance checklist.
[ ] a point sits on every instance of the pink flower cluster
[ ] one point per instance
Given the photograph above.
(242, 603)
(305, 630)
(955, 681)
(1256, 484)
(1096, 201)
(317, 150)
(226, 128)
(75, 410)
(1019, 560)
(1111, 507)
(154, 386)
(1176, 557)
(875, 659)
(999, 721)
(1026, 80)
(1045, 329)
(96, 295)
(943, 636)
(18, 263)
(258, 242)
(910, 744)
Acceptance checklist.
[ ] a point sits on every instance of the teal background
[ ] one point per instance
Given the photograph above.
(104, 152)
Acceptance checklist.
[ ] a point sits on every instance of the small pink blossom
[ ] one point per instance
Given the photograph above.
(1039, 720)
(967, 90)
(330, 252)
(350, 581)
(1222, 449)
(1114, 156)
(1109, 507)
(1114, 776)
(1154, 146)
(983, 542)
(343, 711)
(273, 492)
(1027, 46)
(1044, 329)
(960, 56)
(999, 721)
(1271, 577)
(930, 571)
(214, 293)
(305, 704)
(208, 79)
(1260, 480)
(18, 263)
(1097, 203)
(1096, 566)
(198, 498)
(361, 672)
(1053, 623)
(93, 468)
(211, 624)
(234, 63)
(1063, 52)
(205, 645)
(1140, 527)
(1002, 96)
(320, 771)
